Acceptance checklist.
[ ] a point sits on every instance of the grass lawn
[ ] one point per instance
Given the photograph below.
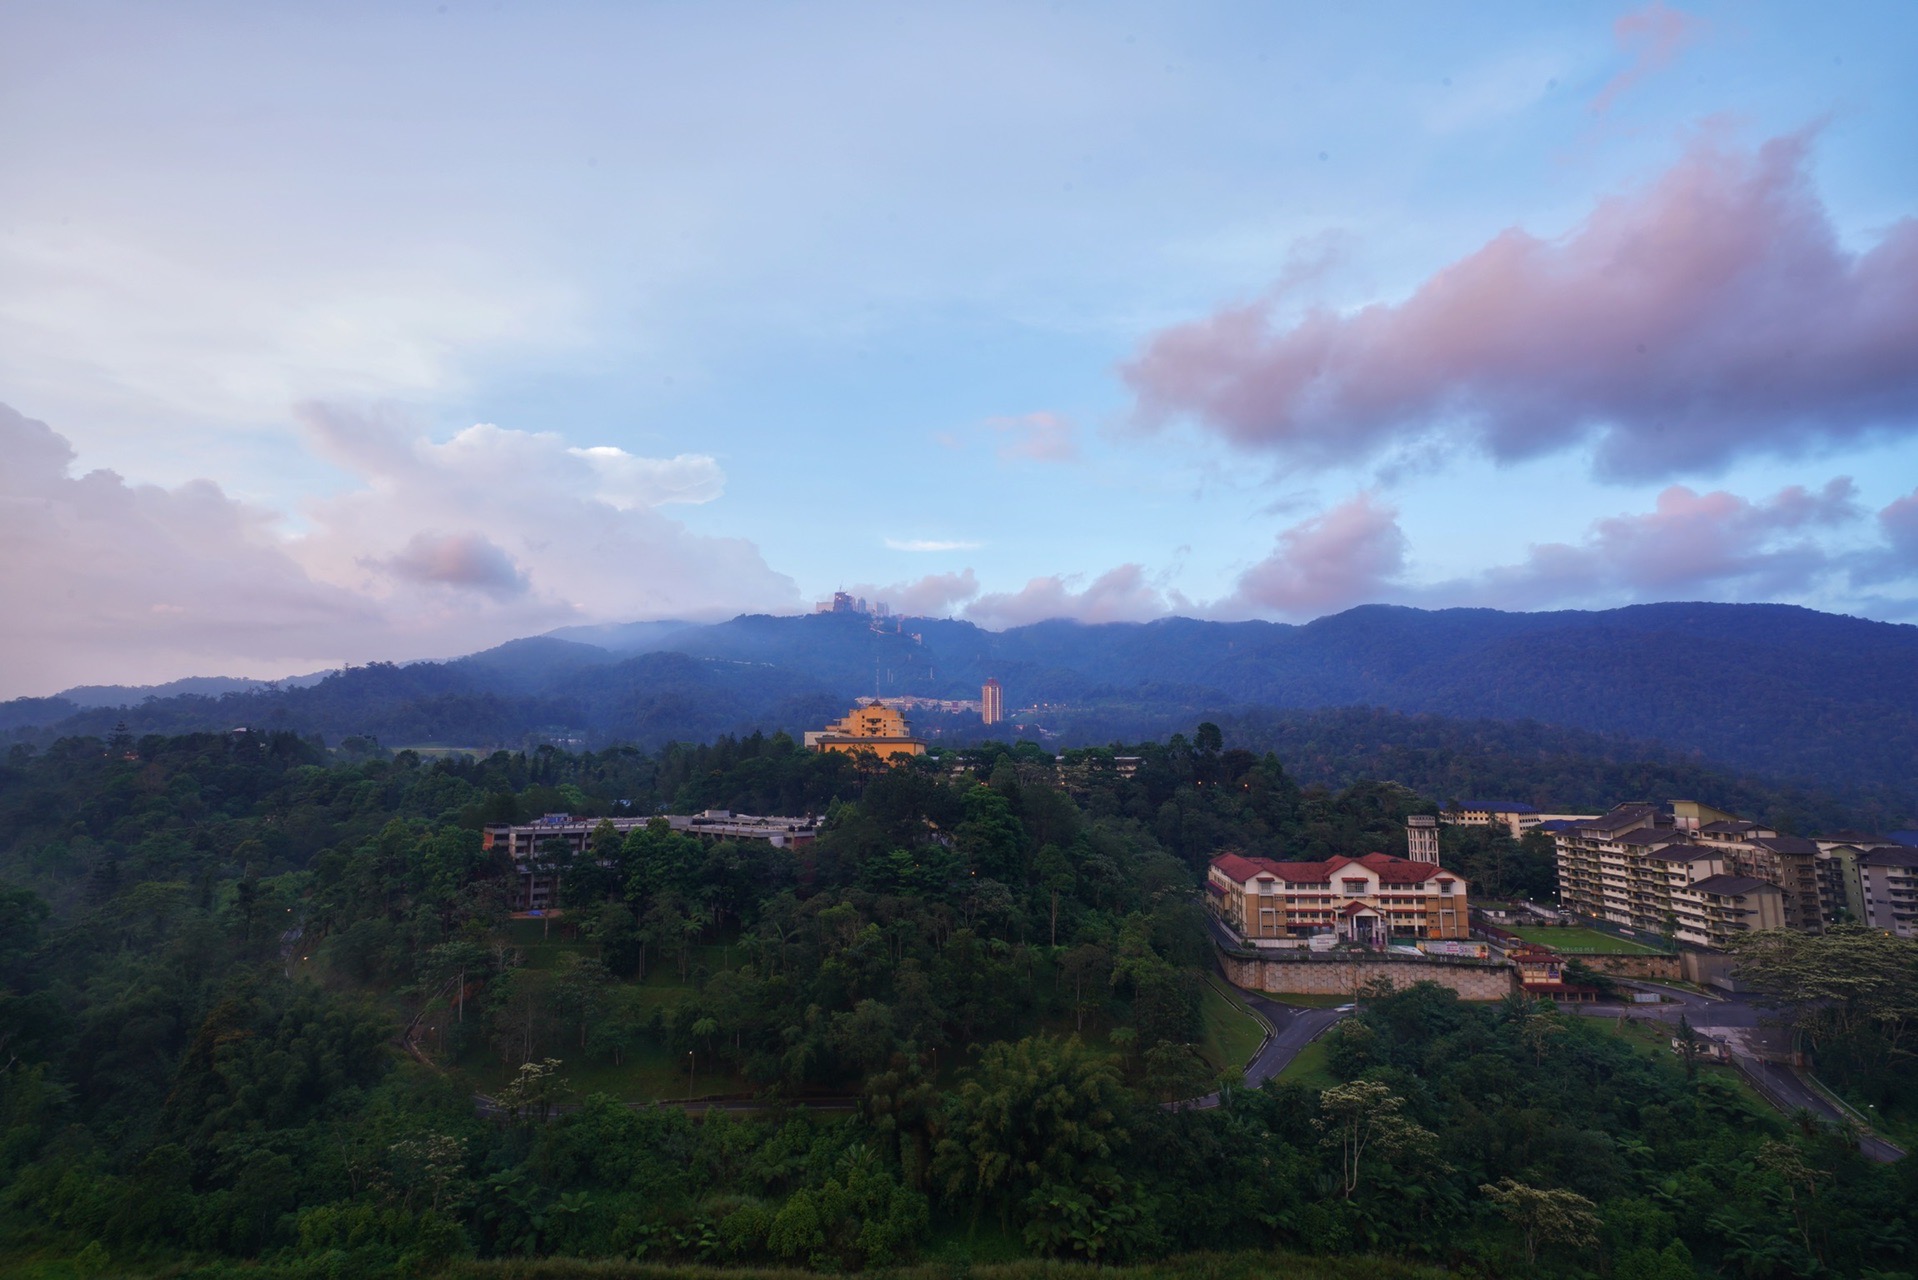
(1310, 1068)
(1232, 1035)
(1574, 939)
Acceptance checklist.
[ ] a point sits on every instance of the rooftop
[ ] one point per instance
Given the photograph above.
(1786, 844)
(1390, 870)
(1731, 886)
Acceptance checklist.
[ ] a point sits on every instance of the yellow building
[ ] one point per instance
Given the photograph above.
(876, 728)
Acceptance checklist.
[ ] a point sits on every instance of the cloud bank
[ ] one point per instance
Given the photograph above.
(436, 549)
(1119, 595)
(1710, 316)
(1690, 546)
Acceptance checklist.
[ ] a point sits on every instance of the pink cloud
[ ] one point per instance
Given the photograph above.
(1898, 557)
(933, 596)
(1709, 316)
(1036, 437)
(1652, 37)
(1900, 522)
(1714, 544)
(1118, 595)
(119, 581)
(419, 557)
(1347, 555)
(467, 560)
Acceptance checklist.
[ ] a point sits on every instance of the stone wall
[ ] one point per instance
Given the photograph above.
(1712, 969)
(1646, 968)
(1321, 974)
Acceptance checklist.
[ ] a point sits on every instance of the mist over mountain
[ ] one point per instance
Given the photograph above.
(1776, 690)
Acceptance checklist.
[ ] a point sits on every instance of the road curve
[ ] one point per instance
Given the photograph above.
(1735, 1021)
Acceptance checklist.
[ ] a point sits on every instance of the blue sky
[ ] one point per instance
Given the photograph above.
(1234, 310)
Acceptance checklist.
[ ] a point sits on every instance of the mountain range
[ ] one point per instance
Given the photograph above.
(1777, 690)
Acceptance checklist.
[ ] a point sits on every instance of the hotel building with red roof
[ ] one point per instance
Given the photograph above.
(1376, 899)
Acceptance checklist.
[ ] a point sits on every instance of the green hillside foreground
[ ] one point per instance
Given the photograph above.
(250, 988)
(1195, 1266)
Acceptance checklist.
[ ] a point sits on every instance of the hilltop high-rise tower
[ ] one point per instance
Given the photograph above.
(992, 702)
(1421, 838)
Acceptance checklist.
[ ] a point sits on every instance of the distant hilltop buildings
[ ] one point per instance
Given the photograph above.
(841, 602)
(539, 848)
(992, 702)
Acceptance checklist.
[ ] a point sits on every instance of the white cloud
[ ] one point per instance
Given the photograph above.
(439, 548)
(932, 596)
(1119, 595)
(629, 481)
(104, 321)
(931, 544)
(1036, 437)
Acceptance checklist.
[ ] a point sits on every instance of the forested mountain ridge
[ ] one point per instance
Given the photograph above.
(1772, 690)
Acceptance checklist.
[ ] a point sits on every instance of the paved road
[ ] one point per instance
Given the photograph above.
(1288, 1030)
(1747, 1031)
(1292, 1029)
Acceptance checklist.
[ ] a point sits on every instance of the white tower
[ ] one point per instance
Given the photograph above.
(1421, 838)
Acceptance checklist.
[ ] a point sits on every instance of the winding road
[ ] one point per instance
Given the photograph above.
(1735, 1020)
(1746, 1033)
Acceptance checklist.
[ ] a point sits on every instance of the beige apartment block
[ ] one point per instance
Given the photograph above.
(1890, 876)
(1713, 911)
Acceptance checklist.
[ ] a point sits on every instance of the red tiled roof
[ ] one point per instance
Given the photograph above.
(1390, 870)
(1402, 870)
(1355, 909)
(1240, 868)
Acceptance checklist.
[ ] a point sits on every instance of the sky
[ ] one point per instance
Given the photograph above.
(341, 333)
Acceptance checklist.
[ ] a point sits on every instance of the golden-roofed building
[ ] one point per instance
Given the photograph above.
(874, 727)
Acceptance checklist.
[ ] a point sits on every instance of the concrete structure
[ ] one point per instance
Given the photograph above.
(1421, 838)
(1790, 862)
(1841, 885)
(1604, 869)
(1514, 817)
(874, 728)
(1890, 876)
(1372, 900)
(528, 843)
(1635, 865)
(1329, 974)
(1713, 911)
(992, 702)
(1689, 815)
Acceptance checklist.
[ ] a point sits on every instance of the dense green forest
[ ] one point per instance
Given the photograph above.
(264, 1006)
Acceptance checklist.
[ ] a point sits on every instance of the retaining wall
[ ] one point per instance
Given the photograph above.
(1645, 967)
(1313, 974)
